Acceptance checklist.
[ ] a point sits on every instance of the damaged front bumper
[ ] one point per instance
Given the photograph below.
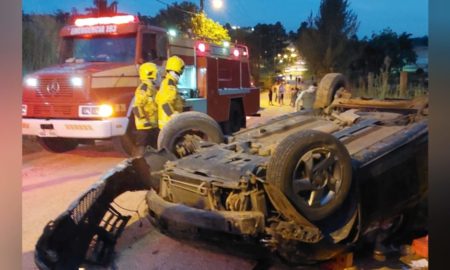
(88, 230)
(239, 223)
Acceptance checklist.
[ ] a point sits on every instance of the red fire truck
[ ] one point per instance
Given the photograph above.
(88, 96)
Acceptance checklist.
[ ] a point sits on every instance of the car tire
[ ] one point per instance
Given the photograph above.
(192, 122)
(327, 88)
(57, 145)
(313, 169)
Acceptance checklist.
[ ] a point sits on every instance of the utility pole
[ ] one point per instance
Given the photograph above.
(201, 5)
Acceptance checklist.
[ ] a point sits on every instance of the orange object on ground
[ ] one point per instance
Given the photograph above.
(340, 262)
(420, 246)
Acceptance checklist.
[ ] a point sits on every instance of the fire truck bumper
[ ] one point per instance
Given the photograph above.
(89, 129)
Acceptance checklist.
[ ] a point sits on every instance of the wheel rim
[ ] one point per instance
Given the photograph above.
(317, 178)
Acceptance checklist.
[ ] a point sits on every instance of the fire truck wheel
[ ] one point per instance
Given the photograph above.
(236, 118)
(58, 145)
(327, 88)
(313, 169)
(179, 134)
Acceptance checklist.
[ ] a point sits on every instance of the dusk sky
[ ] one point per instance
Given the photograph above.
(400, 15)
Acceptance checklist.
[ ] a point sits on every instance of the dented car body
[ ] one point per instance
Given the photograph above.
(306, 186)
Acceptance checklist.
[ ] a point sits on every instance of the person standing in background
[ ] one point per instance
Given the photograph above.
(281, 91)
(275, 90)
(294, 93)
(270, 96)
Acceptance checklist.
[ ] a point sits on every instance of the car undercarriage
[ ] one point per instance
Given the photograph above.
(307, 185)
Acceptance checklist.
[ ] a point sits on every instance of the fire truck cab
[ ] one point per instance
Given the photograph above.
(89, 94)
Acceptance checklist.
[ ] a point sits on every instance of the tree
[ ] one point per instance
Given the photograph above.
(327, 40)
(265, 42)
(399, 49)
(62, 17)
(101, 8)
(39, 41)
(177, 16)
(207, 29)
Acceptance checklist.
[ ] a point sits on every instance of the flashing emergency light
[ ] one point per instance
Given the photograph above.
(236, 52)
(201, 47)
(122, 19)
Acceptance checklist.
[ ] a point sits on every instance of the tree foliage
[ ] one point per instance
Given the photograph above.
(271, 39)
(399, 49)
(206, 28)
(40, 41)
(327, 40)
(264, 41)
(101, 8)
(177, 16)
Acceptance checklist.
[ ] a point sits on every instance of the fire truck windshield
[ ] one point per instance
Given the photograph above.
(99, 49)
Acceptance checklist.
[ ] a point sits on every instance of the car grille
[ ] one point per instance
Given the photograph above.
(44, 88)
(53, 110)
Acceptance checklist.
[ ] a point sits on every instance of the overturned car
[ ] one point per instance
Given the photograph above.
(308, 185)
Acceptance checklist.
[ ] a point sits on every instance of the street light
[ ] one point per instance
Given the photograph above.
(217, 4)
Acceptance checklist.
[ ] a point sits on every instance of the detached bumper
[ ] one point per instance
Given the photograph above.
(240, 223)
(86, 129)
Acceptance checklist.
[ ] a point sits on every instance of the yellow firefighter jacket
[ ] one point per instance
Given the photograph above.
(169, 100)
(145, 109)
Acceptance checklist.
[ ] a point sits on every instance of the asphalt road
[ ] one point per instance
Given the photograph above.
(50, 182)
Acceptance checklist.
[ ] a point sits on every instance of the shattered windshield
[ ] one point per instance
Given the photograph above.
(100, 49)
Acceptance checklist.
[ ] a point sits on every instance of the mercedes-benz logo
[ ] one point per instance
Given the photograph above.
(53, 87)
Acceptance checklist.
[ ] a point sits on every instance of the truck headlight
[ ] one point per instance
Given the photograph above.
(24, 109)
(76, 81)
(95, 110)
(105, 110)
(31, 82)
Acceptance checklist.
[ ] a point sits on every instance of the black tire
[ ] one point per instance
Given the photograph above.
(327, 88)
(289, 162)
(58, 145)
(185, 123)
(126, 144)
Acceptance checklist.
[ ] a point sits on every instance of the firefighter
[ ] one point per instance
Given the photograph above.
(145, 109)
(168, 99)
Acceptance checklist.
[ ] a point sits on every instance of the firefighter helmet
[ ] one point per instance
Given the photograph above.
(176, 64)
(148, 71)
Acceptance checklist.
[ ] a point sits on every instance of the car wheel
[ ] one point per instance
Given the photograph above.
(182, 133)
(58, 145)
(327, 88)
(314, 171)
